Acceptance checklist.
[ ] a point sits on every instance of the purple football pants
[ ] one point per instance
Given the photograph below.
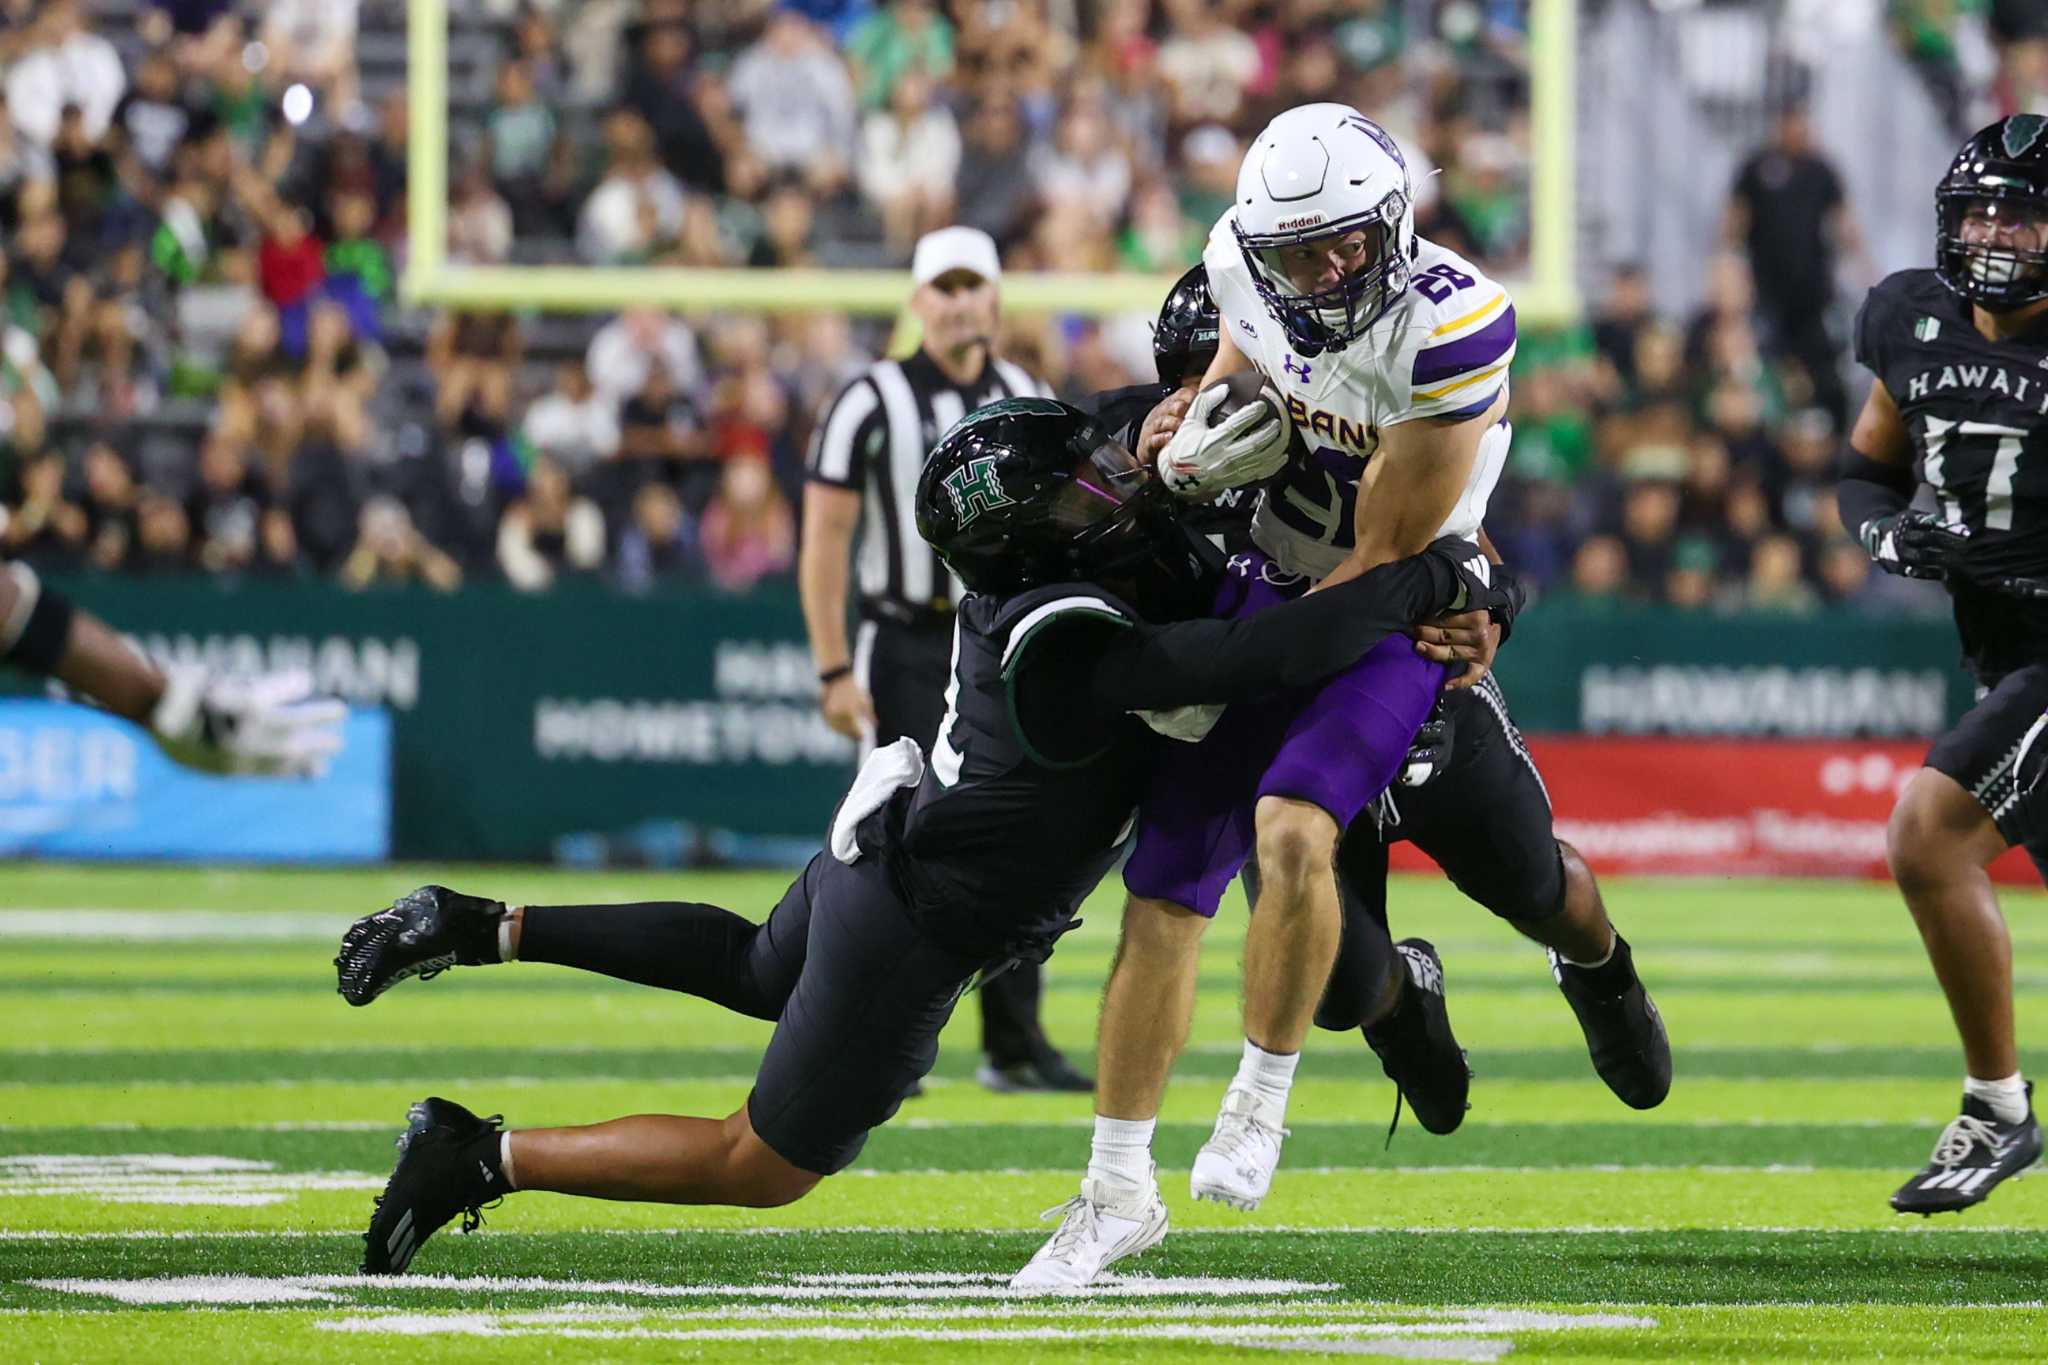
(1336, 745)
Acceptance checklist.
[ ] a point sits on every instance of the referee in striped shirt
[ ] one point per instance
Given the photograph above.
(890, 680)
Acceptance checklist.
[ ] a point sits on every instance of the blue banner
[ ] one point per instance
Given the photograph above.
(78, 783)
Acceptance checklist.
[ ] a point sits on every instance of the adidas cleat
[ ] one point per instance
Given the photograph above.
(1624, 1032)
(1236, 1164)
(1095, 1231)
(423, 934)
(1417, 1049)
(447, 1164)
(1976, 1152)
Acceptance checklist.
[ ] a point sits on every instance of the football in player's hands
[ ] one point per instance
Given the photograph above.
(1244, 387)
(1237, 431)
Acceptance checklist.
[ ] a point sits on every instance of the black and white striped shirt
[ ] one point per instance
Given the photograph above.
(874, 440)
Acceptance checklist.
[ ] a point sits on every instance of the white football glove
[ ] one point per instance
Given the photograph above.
(1250, 445)
(270, 725)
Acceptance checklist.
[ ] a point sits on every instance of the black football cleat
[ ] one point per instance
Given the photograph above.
(1976, 1152)
(1041, 1074)
(447, 1164)
(1624, 1032)
(423, 934)
(1417, 1049)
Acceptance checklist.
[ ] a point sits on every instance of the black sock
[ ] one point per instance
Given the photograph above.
(485, 1155)
(700, 950)
(1613, 976)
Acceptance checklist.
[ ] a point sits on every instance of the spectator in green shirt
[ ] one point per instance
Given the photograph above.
(910, 35)
(358, 267)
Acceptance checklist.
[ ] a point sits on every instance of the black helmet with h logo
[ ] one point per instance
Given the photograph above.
(1991, 243)
(1030, 491)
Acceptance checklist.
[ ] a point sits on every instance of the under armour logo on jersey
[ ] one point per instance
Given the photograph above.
(1269, 573)
(1301, 370)
(975, 489)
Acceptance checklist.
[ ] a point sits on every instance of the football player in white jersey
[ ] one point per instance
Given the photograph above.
(1376, 347)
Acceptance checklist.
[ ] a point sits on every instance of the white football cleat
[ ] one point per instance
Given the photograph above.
(1096, 1230)
(1236, 1164)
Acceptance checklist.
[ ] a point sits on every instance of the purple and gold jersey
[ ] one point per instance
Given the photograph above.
(1442, 352)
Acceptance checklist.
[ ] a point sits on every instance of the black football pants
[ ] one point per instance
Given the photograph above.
(906, 670)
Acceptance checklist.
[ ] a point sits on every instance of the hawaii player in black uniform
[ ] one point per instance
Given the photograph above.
(935, 870)
(1960, 409)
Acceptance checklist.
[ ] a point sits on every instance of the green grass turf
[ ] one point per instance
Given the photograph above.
(184, 1096)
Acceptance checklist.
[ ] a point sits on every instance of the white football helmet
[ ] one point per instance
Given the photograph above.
(1317, 174)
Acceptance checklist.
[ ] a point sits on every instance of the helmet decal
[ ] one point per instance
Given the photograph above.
(2022, 131)
(975, 489)
(1379, 135)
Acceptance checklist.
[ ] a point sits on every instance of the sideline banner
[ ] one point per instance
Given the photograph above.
(523, 724)
(521, 719)
(78, 783)
(1728, 808)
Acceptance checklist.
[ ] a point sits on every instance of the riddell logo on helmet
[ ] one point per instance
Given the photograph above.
(1292, 224)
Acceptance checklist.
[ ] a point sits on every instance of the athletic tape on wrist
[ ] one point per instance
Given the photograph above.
(37, 629)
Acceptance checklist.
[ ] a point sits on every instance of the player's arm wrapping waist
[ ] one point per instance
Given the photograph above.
(1291, 645)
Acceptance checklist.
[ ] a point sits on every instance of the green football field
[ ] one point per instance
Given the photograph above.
(192, 1125)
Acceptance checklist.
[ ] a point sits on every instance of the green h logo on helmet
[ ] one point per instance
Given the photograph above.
(2022, 131)
(975, 489)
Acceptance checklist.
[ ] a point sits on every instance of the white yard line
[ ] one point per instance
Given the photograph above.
(174, 926)
(1897, 1229)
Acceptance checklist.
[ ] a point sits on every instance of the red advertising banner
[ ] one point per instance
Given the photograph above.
(1728, 808)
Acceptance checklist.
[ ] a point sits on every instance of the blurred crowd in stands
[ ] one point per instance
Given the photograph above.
(204, 364)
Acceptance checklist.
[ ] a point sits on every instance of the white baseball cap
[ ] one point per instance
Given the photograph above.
(955, 248)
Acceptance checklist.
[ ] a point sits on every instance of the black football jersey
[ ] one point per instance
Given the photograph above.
(1977, 414)
(1030, 789)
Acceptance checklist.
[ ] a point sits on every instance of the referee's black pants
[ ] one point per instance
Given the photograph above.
(905, 669)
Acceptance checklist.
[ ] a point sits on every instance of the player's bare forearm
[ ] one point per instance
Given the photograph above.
(1411, 489)
(78, 650)
(830, 517)
(106, 668)
(1227, 362)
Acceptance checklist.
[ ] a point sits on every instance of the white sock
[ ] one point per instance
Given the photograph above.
(506, 952)
(1120, 1155)
(1269, 1075)
(505, 1161)
(2006, 1098)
